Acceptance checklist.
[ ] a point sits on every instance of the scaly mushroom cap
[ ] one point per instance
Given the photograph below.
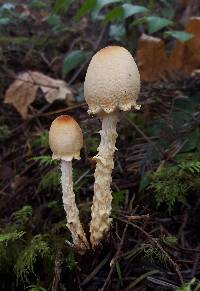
(65, 138)
(112, 81)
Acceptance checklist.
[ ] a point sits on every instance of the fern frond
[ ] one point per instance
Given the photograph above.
(11, 236)
(41, 140)
(26, 261)
(172, 183)
(24, 213)
(169, 240)
(193, 285)
(154, 254)
(44, 160)
(190, 166)
(50, 180)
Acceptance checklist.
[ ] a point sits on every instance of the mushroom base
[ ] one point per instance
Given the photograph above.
(72, 212)
(101, 208)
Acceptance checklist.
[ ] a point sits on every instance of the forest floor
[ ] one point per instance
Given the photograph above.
(153, 243)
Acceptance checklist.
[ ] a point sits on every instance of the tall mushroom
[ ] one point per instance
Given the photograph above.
(66, 141)
(112, 83)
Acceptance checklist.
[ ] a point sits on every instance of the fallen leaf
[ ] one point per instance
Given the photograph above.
(185, 57)
(152, 58)
(184, 2)
(22, 92)
(194, 43)
(196, 74)
(53, 89)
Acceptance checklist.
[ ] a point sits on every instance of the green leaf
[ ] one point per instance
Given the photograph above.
(101, 3)
(114, 14)
(54, 20)
(192, 142)
(119, 273)
(180, 35)
(35, 288)
(118, 197)
(117, 32)
(37, 4)
(62, 5)
(86, 7)
(71, 262)
(144, 182)
(130, 9)
(138, 21)
(4, 21)
(73, 60)
(156, 23)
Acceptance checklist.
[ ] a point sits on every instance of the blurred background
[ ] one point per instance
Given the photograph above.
(45, 49)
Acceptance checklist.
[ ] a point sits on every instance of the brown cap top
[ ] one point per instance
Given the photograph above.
(112, 81)
(65, 138)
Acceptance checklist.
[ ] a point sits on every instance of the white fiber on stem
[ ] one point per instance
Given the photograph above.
(72, 212)
(101, 208)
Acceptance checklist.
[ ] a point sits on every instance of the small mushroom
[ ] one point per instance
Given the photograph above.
(112, 83)
(66, 141)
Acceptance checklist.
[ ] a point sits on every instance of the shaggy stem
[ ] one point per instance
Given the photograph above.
(72, 212)
(102, 199)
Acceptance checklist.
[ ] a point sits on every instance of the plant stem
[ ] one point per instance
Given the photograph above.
(102, 199)
(72, 212)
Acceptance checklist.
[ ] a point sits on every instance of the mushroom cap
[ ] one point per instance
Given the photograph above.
(65, 138)
(112, 81)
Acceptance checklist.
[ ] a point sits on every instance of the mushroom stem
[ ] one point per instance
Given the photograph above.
(102, 199)
(72, 212)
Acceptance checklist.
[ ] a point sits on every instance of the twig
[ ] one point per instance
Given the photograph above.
(77, 73)
(57, 272)
(137, 217)
(95, 271)
(174, 264)
(195, 265)
(141, 278)
(113, 261)
(60, 110)
(146, 137)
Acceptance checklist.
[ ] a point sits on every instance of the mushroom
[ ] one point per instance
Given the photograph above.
(112, 83)
(66, 141)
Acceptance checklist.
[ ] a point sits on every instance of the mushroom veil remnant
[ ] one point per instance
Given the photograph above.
(66, 141)
(112, 83)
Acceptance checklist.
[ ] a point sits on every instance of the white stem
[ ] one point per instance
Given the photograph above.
(72, 212)
(102, 199)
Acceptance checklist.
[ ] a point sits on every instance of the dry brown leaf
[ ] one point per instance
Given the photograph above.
(196, 74)
(53, 89)
(22, 92)
(194, 43)
(152, 58)
(185, 57)
(184, 2)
